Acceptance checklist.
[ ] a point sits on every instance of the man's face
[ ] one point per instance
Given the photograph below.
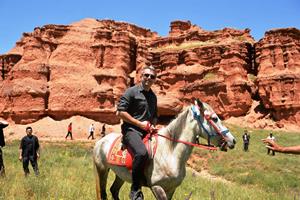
(29, 132)
(148, 77)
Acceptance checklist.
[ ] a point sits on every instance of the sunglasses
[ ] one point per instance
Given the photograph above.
(151, 76)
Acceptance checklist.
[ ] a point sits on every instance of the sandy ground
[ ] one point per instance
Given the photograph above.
(48, 129)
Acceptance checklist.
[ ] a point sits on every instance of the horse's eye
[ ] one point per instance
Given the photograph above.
(214, 118)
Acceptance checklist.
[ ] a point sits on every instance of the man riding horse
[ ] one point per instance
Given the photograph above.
(171, 148)
(138, 110)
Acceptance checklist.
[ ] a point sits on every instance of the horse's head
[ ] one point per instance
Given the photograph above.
(212, 128)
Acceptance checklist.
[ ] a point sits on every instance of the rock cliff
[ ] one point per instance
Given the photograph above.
(278, 78)
(83, 68)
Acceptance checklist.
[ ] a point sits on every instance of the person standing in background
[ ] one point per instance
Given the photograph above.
(272, 138)
(3, 124)
(69, 131)
(246, 140)
(29, 151)
(103, 131)
(91, 131)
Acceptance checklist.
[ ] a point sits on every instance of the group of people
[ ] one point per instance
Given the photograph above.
(246, 142)
(91, 131)
(271, 145)
(29, 148)
(138, 110)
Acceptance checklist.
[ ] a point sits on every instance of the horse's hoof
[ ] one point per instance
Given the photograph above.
(136, 195)
(115, 197)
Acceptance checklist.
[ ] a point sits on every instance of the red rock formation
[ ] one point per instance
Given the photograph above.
(83, 68)
(79, 69)
(278, 80)
(212, 66)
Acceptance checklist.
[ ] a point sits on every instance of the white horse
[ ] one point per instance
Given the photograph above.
(165, 172)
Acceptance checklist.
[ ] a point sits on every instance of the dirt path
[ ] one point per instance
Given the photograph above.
(203, 172)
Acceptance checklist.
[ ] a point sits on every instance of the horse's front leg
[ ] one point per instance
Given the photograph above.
(170, 193)
(159, 192)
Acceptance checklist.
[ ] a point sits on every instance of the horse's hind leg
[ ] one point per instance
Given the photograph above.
(101, 179)
(116, 186)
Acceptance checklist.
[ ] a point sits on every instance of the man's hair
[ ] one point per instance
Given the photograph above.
(152, 68)
(28, 128)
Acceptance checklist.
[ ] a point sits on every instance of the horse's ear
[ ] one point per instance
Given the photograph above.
(199, 103)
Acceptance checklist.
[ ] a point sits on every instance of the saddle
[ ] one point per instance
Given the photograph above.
(120, 155)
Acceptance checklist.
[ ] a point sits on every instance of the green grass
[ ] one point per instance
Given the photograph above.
(210, 76)
(277, 175)
(66, 172)
(252, 77)
(196, 44)
(184, 46)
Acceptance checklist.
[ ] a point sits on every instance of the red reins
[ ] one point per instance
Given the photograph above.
(189, 143)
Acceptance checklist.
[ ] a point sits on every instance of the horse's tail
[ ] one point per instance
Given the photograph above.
(97, 180)
(100, 169)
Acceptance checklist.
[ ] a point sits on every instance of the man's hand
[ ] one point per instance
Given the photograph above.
(38, 155)
(147, 126)
(272, 145)
(153, 129)
(20, 158)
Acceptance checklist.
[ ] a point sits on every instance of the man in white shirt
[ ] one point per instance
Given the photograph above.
(91, 130)
(272, 138)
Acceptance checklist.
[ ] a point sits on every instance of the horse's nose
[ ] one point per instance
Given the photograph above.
(234, 142)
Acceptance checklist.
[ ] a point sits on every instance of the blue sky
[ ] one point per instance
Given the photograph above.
(18, 16)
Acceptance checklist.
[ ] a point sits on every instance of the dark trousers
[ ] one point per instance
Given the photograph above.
(273, 152)
(69, 134)
(2, 170)
(246, 146)
(34, 165)
(91, 135)
(134, 142)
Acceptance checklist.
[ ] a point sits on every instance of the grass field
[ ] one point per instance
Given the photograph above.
(66, 172)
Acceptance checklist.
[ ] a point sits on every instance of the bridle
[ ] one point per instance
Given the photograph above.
(208, 116)
(198, 116)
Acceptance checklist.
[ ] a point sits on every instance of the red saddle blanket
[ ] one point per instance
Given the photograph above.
(123, 157)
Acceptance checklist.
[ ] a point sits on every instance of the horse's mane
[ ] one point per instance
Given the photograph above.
(176, 126)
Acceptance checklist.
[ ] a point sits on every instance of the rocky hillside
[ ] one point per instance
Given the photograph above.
(82, 69)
